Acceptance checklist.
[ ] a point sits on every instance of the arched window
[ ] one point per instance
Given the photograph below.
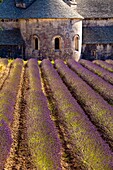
(57, 43)
(77, 42)
(36, 43)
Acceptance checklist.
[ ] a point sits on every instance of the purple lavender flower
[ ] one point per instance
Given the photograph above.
(96, 107)
(43, 141)
(109, 61)
(5, 142)
(98, 70)
(79, 131)
(34, 76)
(3, 61)
(9, 92)
(100, 85)
(7, 102)
(104, 65)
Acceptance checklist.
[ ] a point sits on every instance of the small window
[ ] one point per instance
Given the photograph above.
(77, 42)
(57, 43)
(36, 44)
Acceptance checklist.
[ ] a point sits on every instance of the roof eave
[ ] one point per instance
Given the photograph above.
(94, 43)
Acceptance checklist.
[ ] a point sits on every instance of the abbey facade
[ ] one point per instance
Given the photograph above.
(55, 29)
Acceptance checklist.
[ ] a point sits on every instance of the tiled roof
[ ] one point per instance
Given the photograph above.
(38, 9)
(26, 2)
(18, 1)
(8, 10)
(11, 37)
(95, 8)
(50, 9)
(98, 34)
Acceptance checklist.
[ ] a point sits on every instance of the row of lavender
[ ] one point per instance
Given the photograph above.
(104, 64)
(96, 82)
(3, 62)
(3, 67)
(98, 110)
(43, 141)
(81, 134)
(109, 61)
(7, 102)
(105, 74)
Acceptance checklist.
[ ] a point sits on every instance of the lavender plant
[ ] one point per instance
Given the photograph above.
(104, 65)
(7, 102)
(9, 92)
(18, 61)
(5, 142)
(106, 75)
(34, 76)
(99, 111)
(79, 131)
(100, 85)
(109, 61)
(43, 141)
(3, 67)
(3, 62)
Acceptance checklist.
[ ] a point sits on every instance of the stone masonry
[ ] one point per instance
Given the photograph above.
(47, 30)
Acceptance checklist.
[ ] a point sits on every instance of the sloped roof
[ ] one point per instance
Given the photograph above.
(11, 37)
(26, 2)
(38, 9)
(50, 9)
(98, 34)
(95, 8)
(8, 10)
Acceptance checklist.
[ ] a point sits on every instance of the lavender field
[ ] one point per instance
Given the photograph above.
(56, 115)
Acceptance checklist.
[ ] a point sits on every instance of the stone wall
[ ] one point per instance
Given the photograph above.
(9, 24)
(47, 30)
(97, 51)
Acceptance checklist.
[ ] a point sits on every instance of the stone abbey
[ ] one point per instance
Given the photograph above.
(56, 29)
